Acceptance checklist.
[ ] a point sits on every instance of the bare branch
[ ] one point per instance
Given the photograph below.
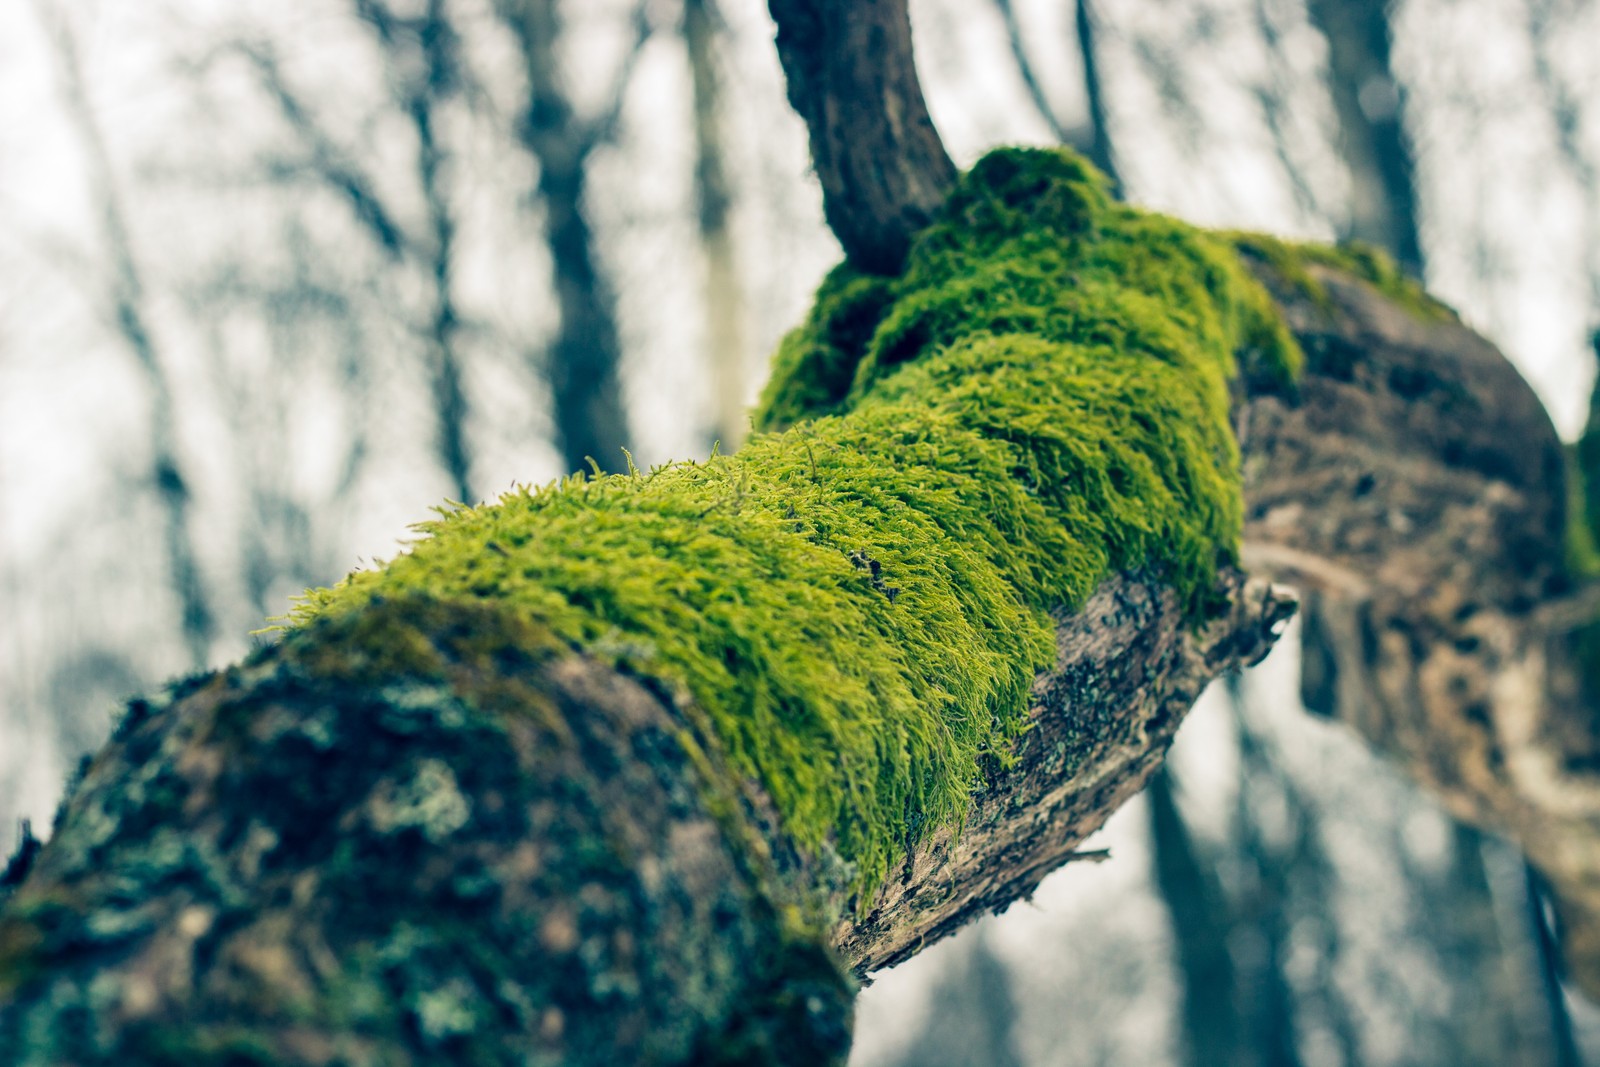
(1369, 102)
(852, 77)
(130, 318)
(1030, 75)
(725, 341)
(1099, 150)
(327, 160)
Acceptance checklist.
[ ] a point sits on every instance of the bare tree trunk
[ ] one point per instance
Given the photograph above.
(1099, 149)
(583, 361)
(1201, 923)
(1370, 102)
(724, 303)
(425, 87)
(972, 1016)
(1093, 138)
(883, 169)
(129, 309)
(426, 75)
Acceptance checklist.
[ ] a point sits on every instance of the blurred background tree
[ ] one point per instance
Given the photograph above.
(273, 277)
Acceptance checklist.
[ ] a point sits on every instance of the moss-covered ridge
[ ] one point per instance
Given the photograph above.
(1292, 260)
(855, 605)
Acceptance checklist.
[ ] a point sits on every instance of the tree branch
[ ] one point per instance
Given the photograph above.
(130, 311)
(432, 824)
(1416, 491)
(883, 169)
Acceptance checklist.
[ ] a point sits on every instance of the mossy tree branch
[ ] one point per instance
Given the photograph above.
(632, 769)
(525, 786)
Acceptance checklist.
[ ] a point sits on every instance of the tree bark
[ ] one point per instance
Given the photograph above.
(852, 77)
(1416, 493)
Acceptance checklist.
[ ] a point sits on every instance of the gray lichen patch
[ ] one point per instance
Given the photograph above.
(429, 801)
(452, 865)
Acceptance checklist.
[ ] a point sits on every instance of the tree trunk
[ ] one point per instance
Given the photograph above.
(1369, 102)
(584, 359)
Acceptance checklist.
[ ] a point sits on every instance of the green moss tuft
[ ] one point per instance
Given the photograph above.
(1371, 265)
(814, 365)
(857, 602)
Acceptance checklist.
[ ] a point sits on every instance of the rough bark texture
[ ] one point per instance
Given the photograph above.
(492, 850)
(497, 852)
(429, 831)
(1101, 723)
(1415, 491)
(883, 169)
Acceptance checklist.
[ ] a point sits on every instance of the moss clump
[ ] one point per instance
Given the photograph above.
(1372, 265)
(857, 602)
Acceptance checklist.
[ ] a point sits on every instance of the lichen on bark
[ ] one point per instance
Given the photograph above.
(855, 605)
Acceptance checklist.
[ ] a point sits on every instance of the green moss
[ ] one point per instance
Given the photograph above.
(1583, 535)
(814, 365)
(1371, 265)
(1583, 552)
(857, 602)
